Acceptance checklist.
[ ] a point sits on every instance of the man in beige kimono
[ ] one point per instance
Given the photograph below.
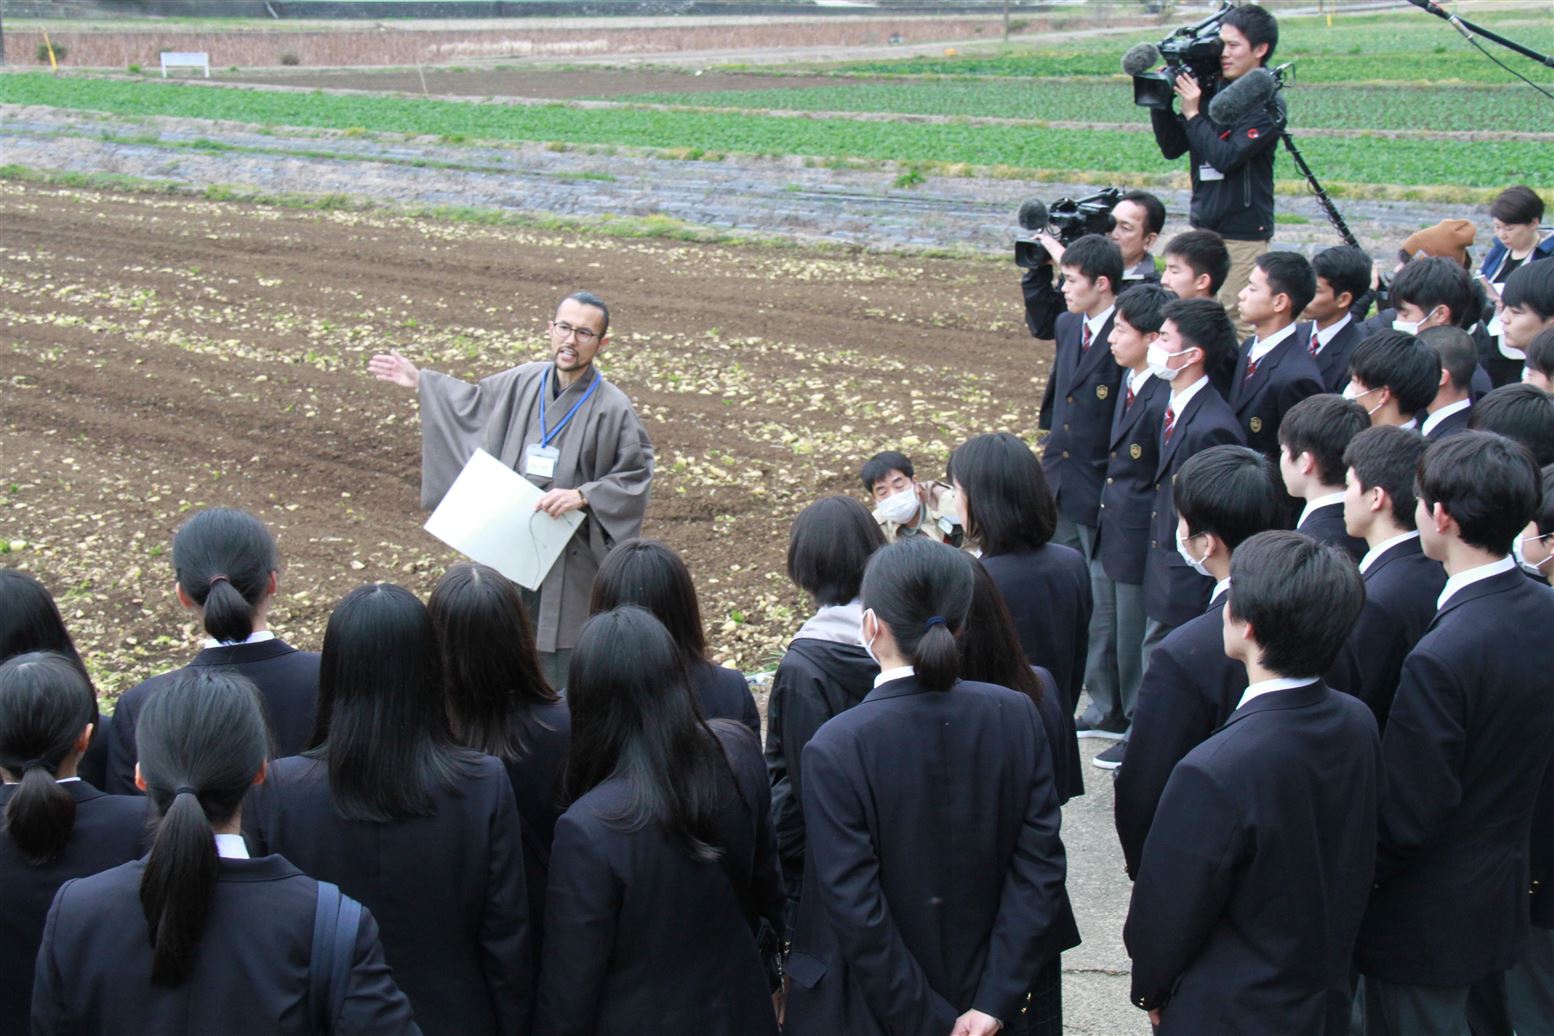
(564, 428)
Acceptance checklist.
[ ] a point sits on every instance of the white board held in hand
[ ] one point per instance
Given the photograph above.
(489, 516)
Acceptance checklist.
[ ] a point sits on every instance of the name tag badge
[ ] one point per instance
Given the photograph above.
(1207, 172)
(540, 461)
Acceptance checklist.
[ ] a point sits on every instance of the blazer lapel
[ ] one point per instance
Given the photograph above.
(1391, 554)
(1092, 358)
(1495, 584)
(1168, 449)
(1126, 419)
(1274, 701)
(1248, 389)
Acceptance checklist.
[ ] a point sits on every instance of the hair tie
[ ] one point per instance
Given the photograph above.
(218, 579)
(184, 789)
(935, 620)
(35, 764)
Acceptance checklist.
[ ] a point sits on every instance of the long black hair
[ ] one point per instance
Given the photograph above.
(649, 574)
(45, 707)
(30, 621)
(381, 724)
(1006, 502)
(921, 590)
(223, 558)
(202, 741)
(990, 650)
(634, 718)
(489, 665)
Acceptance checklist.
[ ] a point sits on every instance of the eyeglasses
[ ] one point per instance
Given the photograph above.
(584, 335)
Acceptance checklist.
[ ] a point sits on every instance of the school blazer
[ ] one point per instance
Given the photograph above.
(1129, 493)
(447, 890)
(545, 730)
(1082, 391)
(1401, 588)
(1256, 871)
(1049, 597)
(1467, 744)
(724, 693)
(1333, 360)
(936, 872)
(109, 830)
(250, 970)
(1284, 377)
(643, 940)
(1326, 525)
(1189, 689)
(287, 680)
(1173, 592)
(1451, 424)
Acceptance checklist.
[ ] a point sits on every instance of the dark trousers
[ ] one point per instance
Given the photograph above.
(1530, 985)
(1393, 1009)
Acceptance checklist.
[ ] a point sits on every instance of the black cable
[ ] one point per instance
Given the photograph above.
(1482, 50)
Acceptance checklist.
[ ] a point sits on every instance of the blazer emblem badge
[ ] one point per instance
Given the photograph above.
(1101, 391)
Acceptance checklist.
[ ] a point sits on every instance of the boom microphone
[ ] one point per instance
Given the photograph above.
(1140, 58)
(1242, 97)
(1033, 215)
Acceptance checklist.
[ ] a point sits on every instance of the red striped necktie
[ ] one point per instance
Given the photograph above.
(1170, 423)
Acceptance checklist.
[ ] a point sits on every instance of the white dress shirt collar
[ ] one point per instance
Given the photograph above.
(1219, 588)
(1263, 346)
(1283, 683)
(1319, 502)
(1136, 379)
(253, 638)
(1443, 413)
(1327, 334)
(1385, 545)
(231, 847)
(900, 672)
(1095, 324)
(1411, 424)
(1471, 576)
(1180, 398)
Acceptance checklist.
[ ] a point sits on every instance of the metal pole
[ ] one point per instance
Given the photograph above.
(2, 34)
(1006, 21)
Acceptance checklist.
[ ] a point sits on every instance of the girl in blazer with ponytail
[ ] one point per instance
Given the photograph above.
(56, 825)
(198, 937)
(227, 565)
(934, 885)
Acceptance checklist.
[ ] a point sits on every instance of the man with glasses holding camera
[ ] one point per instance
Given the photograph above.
(565, 429)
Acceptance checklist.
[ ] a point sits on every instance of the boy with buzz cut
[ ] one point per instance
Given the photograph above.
(1328, 325)
(1312, 440)
(1467, 746)
(1401, 584)
(1393, 376)
(1117, 623)
(1276, 370)
(1255, 874)
(1082, 389)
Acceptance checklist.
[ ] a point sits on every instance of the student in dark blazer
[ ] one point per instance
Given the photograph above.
(1225, 495)
(1401, 584)
(226, 564)
(30, 621)
(1082, 388)
(1276, 368)
(1448, 413)
(1328, 328)
(1117, 623)
(424, 832)
(1256, 871)
(56, 825)
(934, 898)
(665, 865)
(649, 574)
(1008, 512)
(825, 670)
(198, 937)
(500, 704)
(1467, 746)
(1394, 377)
(1312, 441)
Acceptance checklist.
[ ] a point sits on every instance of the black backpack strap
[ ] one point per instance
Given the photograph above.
(335, 922)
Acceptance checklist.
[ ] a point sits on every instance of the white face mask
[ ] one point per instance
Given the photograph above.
(899, 508)
(1354, 395)
(1408, 327)
(863, 637)
(1157, 358)
(1521, 558)
(1197, 564)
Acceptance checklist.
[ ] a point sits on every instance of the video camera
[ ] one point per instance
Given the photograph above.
(1191, 50)
(1067, 220)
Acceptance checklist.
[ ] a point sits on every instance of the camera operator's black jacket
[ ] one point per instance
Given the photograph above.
(1239, 207)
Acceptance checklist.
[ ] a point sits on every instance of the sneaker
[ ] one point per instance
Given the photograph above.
(1112, 757)
(1109, 729)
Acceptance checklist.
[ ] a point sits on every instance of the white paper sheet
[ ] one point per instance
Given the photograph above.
(488, 515)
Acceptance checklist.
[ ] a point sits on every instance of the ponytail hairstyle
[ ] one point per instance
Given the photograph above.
(223, 558)
(922, 591)
(45, 706)
(202, 740)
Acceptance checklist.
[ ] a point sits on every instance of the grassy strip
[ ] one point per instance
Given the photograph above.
(1358, 161)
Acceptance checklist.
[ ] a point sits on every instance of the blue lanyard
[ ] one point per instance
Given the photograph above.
(546, 437)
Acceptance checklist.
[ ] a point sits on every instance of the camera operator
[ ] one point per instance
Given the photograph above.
(1232, 166)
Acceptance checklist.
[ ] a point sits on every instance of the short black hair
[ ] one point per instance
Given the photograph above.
(1323, 426)
(1204, 252)
(1398, 361)
(1435, 281)
(1456, 350)
(1531, 287)
(1545, 516)
(1095, 256)
(1519, 204)
(1290, 274)
(828, 546)
(1257, 25)
(882, 464)
(1540, 353)
(1143, 307)
(1154, 209)
(1007, 504)
(1345, 269)
(1522, 412)
(1301, 597)
(1388, 457)
(1488, 483)
(588, 298)
(1204, 323)
(1230, 491)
